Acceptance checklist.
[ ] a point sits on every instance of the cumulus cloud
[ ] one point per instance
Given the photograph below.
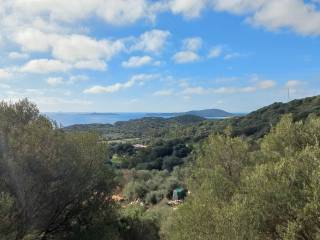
(116, 12)
(34, 40)
(43, 66)
(123, 11)
(192, 44)
(188, 54)
(152, 41)
(137, 61)
(137, 79)
(70, 48)
(300, 16)
(297, 15)
(188, 8)
(186, 57)
(82, 48)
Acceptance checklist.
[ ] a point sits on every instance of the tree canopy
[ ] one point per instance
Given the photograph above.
(241, 192)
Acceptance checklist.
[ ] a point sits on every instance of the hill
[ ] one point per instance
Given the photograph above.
(210, 113)
(259, 122)
(255, 124)
(206, 113)
(139, 128)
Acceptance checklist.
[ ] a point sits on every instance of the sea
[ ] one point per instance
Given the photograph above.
(67, 119)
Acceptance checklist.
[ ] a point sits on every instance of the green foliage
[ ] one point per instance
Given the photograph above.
(137, 224)
(239, 192)
(259, 123)
(53, 185)
(152, 186)
(162, 155)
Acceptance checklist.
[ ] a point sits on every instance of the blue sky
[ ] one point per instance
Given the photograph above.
(158, 56)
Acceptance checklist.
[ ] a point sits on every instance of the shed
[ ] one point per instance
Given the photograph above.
(179, 194)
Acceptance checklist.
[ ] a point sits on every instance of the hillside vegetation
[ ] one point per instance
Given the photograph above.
(266, 190)
(255, 124)
(252, 177)
(259, 122)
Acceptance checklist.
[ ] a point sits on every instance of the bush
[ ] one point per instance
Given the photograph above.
(271, 193)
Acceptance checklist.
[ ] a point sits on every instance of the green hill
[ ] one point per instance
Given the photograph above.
(210, 113)
(259, 122)
(255, 124)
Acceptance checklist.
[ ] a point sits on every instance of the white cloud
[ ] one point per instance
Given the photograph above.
(83, 48)
(293, 83)
(55, 81)
(297, 15)
(18, 55)
(266, 84)
(137, 79)
(185, 57)
(137, 61)
(120, 12)
(188, 8)
(98, 65)
(152, 41)
(34, 40)
(215, 52)
(161, 93)
(70, 48)
(43, 66)
(300, 16)
(116, 12)
(5, 74)
(192, 44)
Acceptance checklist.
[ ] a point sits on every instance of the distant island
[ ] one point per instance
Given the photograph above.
(70, 118)
(206, 113)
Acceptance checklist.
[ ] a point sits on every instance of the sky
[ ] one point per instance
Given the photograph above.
(158, 56)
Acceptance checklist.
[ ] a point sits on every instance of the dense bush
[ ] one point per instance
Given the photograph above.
(239, 192)
(162, 155)
(53, 185)
(152, 186)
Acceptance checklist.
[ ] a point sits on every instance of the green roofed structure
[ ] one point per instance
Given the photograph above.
(179, 194)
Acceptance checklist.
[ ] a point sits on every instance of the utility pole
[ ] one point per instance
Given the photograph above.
(288, 94)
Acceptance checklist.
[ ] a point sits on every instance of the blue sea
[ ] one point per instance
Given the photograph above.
(68, 119)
